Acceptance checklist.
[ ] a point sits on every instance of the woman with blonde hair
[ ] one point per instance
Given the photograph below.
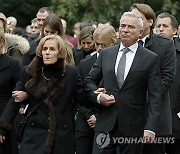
(52, 25)
(52, 85)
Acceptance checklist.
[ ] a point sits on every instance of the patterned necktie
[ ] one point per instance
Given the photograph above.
(121, 67)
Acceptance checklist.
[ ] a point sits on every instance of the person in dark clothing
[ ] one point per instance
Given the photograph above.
(86, 44)
(164, 48)
(41, 16)
(50, 128)
(167, 25)
(103, 37)
(10, 71)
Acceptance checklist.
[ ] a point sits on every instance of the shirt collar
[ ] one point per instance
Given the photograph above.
(144, 38)
(133, 47)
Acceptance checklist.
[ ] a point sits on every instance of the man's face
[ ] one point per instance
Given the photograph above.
(164, 27)
(40, 18)
(146, 23)
(129, 31)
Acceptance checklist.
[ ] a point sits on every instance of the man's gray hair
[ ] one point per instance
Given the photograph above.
(131, 14)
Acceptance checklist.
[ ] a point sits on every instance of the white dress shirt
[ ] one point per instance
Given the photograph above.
(129, 58)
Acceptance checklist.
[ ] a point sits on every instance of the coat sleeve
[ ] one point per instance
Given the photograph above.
(154, 97)
(93, 79)
(11, 110)
(168, 67)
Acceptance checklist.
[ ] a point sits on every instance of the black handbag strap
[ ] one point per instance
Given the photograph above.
(50, 89)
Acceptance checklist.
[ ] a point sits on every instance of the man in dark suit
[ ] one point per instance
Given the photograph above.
(164, 48)
(103, 37)
(128, 77)
(167, 25)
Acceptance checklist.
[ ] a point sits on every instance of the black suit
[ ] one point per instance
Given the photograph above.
(164, 48)
(84, 135)
(175, 104)
(130, 109)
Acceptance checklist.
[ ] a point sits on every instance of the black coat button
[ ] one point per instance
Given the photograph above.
(32, 124)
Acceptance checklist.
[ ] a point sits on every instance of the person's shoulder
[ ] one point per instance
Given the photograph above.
(147, 51)
(161, 40)
(110, 49)
(12, 60)
(69, 68)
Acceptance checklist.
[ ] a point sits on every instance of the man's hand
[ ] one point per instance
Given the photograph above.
(19, 96)
(100, 91)
(106, 99)
(2, 138)
(92, 121)
(148, 137)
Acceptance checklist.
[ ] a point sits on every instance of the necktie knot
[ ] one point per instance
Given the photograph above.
(125, 50)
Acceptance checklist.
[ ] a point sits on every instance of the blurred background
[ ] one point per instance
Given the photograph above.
(82, 10)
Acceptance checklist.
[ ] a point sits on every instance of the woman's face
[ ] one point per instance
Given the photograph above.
(50, 52)
(49, 31)
(87, 44)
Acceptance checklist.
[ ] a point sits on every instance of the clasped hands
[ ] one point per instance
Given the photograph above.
(2, 138)
(104, 98)
(19, 96)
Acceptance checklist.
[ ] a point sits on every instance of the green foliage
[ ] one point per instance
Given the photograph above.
(23, 10)
(82, 10)
(94, 10)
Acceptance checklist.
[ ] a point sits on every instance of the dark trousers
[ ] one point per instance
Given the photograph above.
(105, 143)
(173, 148)
(154, 148)
(84, 142)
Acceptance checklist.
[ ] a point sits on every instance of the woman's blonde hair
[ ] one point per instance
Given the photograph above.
(3, 43)
(61, 46)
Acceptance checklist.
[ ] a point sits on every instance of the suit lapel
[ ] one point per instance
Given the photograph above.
(134, 65)
(113, 63)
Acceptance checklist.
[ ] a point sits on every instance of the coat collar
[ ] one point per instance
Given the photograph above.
(37, 85)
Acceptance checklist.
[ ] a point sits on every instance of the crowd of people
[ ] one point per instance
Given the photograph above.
(84, 93)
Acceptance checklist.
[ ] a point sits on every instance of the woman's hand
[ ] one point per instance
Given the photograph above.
(19, 96)
(92, 121)
(2, 138)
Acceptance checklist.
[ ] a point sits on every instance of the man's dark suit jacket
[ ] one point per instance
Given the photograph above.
(175, 94)
(130, 108)
(84, 113)
(164, 48)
